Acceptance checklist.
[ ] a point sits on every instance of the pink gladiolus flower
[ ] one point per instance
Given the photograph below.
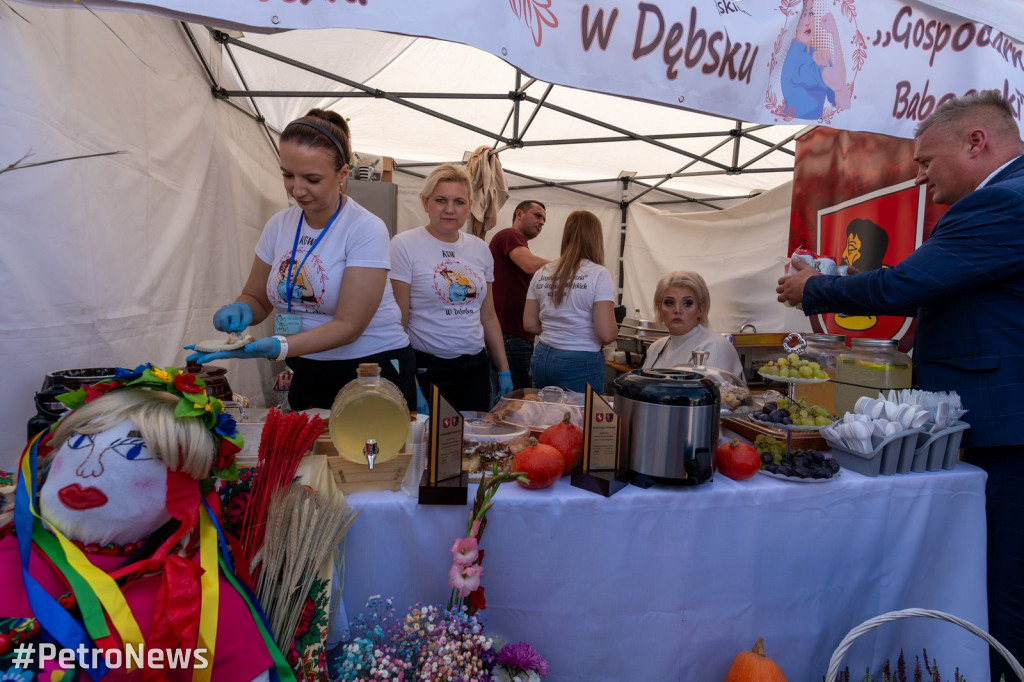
(475, 530)
(465, 579)
(464, 552)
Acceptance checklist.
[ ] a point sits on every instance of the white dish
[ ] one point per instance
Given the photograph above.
(230, 342)
(792, 380)
(797, 479)
(787, 427)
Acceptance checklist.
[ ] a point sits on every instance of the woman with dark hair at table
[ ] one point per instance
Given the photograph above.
(570, 306)
(322, 265)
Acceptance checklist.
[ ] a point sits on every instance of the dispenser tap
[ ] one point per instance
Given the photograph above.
(370, 450)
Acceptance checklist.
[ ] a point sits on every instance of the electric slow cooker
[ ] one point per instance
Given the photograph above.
(669, 422)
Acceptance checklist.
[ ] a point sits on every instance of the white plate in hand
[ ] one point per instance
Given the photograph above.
(229, 342)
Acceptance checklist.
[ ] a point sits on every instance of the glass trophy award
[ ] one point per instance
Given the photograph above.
(444, 481)
(602, 471)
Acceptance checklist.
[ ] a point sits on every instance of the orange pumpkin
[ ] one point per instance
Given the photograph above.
(567, 438)
(754, 666)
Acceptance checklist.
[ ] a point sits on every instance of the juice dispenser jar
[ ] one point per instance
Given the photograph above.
(870, 366)
(824, 349)
(369, 420)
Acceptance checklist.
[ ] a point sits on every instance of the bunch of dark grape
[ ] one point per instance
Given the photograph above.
(800, 464)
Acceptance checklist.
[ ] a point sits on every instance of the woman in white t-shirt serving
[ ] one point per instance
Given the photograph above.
(681, 303)
(322, 267)
(570, 306)
(441, 277)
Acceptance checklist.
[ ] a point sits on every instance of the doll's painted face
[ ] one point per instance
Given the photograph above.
(105, 487)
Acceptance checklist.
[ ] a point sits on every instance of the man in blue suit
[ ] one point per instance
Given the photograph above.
(966, 286)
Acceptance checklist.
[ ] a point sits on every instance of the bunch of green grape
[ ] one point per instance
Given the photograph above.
(770, 449)
(793, 366)
(804, 414)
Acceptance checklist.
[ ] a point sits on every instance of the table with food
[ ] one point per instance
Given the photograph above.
(750, 515)
(762, 515)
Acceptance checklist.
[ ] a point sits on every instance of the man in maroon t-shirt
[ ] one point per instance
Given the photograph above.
(514, 266)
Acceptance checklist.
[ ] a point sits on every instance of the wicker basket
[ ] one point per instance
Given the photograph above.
(855, 633)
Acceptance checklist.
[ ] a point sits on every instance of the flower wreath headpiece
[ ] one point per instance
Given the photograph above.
(194, 402)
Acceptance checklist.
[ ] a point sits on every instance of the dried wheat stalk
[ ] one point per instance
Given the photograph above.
(303, 530)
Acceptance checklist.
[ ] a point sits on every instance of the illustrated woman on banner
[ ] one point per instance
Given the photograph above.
(815, 75)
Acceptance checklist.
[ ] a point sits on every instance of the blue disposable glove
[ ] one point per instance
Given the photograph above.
(422, 407)
(268, 347)
(505, 383)
(234, 317)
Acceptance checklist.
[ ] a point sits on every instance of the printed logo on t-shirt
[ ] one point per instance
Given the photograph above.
(456, 283)
(308, 286)
(546, 281)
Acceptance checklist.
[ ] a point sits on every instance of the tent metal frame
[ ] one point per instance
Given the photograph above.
(523, 110)
(526, 106)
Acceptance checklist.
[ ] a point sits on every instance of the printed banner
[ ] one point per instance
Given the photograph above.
(878, 65)
(873, 231)
(869, 219)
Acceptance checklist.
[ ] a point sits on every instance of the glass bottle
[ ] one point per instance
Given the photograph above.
(824, 349)
(369, 420)
(870, 366)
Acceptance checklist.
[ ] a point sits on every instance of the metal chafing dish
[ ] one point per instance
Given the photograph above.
(755, 350)
(636, 335)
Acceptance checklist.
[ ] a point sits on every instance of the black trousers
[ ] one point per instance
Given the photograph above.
(1004, 510)
(464, 381)
(316, 382)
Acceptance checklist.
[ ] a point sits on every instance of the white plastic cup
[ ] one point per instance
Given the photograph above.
(416, 445)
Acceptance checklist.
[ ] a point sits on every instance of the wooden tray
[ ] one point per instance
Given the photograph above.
(804, 440)
(352, 477)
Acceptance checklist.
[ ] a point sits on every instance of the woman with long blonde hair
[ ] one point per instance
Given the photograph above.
(570, 306)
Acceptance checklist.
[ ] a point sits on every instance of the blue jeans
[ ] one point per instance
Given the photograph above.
(568, 369)
(519, 352)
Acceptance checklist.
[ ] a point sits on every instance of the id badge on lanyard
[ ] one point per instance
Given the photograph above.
(287, 323)
(291, 323)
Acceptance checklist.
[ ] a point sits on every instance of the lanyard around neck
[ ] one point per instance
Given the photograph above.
(289, 282)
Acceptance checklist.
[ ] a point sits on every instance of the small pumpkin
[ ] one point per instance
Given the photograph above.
(567, 438)
(541, 463)
(754, 666)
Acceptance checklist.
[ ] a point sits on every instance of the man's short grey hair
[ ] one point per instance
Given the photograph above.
(953, 110)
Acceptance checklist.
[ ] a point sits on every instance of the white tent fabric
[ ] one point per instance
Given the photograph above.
(121, 259)
(724, 58)
(117, 260)
(739, 252)
(402, 64)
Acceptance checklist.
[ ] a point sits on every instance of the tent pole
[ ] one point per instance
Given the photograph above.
(624, 211)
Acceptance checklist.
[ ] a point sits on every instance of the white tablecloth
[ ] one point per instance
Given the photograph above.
(670, 583)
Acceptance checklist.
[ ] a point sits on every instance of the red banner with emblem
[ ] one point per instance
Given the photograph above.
(855, 201)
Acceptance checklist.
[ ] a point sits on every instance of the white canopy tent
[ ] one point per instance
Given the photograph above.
(122, 254)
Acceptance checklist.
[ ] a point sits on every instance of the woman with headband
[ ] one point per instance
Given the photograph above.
(321, 268)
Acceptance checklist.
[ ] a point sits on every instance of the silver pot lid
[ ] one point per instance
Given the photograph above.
(687, 387)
